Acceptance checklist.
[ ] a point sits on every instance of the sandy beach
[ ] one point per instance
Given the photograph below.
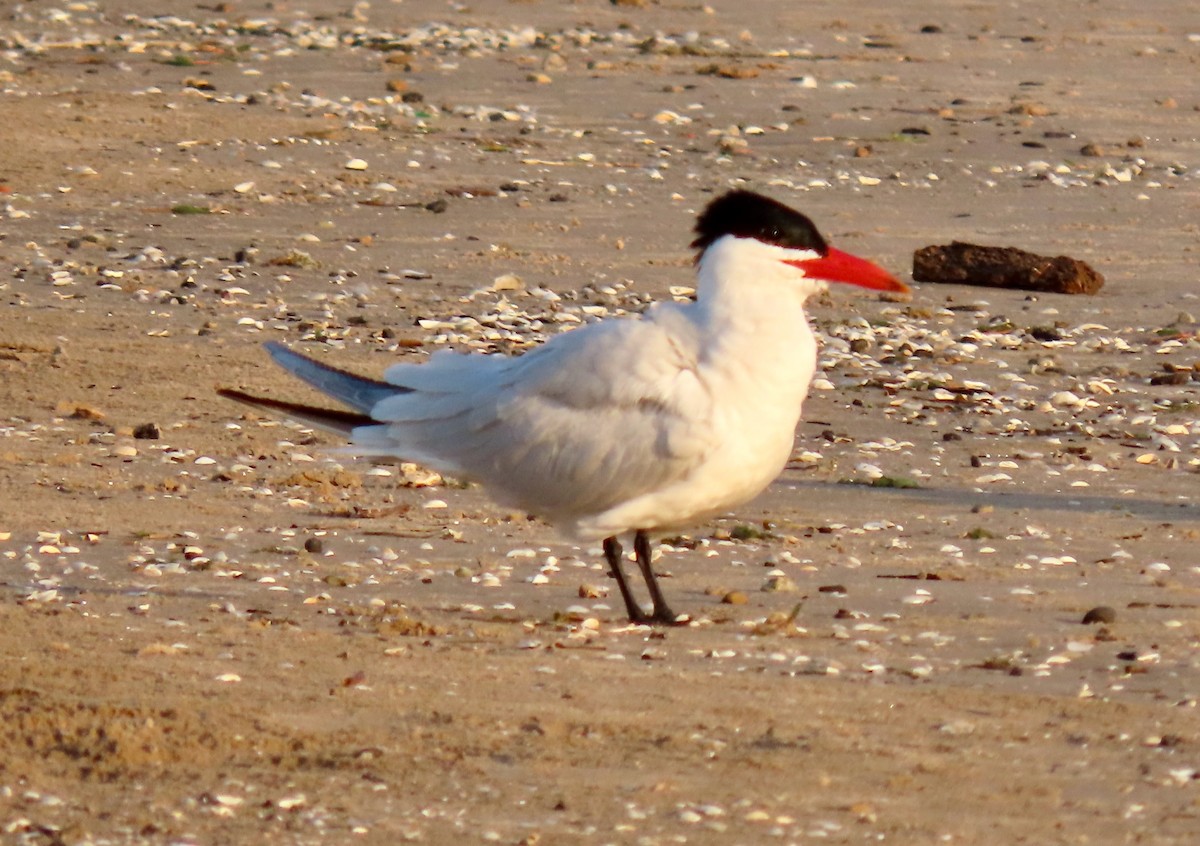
(218, 628)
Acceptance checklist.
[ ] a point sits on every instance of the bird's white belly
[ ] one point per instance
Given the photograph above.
(753, 450)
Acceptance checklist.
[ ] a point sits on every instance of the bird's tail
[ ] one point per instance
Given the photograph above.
(358, 392)
(331, 420)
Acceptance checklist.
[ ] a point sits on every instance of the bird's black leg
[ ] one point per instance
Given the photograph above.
(612, 554)
(661, 613)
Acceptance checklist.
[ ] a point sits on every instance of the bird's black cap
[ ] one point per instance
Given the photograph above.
(746, 214)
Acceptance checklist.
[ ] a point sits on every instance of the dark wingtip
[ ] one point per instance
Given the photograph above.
(747, 214)
(330, 419)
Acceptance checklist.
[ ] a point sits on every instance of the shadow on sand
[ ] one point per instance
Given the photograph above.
(1164, 511)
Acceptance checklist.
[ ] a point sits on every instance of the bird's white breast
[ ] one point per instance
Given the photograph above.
(757, 376)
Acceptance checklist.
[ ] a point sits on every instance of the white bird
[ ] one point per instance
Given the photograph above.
(627, 425)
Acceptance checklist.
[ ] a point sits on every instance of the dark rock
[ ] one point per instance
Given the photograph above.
(314, 545)
(1045, 333)
(1175, 377)
(1100, 614)
(147, 432)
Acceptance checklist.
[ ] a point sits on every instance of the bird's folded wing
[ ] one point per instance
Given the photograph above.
(594, 418)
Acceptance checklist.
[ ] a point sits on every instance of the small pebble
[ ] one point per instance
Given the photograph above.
(780, 584)
(314, 545)
(1100, 614)
(147, 432)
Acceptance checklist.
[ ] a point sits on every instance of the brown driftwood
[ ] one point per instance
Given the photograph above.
(1004, 267)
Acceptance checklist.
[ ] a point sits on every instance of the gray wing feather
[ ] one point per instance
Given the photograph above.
(358, 392)
(590, 420)
(587, 421)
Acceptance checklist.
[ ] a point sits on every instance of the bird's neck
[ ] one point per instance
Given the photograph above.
(741, 292)
(752, 316)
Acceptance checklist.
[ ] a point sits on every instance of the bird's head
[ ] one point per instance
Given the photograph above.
(756, 230)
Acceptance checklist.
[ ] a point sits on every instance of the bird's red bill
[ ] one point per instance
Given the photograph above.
(836, 266)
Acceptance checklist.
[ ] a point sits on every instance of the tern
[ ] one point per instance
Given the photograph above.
(626, 425)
